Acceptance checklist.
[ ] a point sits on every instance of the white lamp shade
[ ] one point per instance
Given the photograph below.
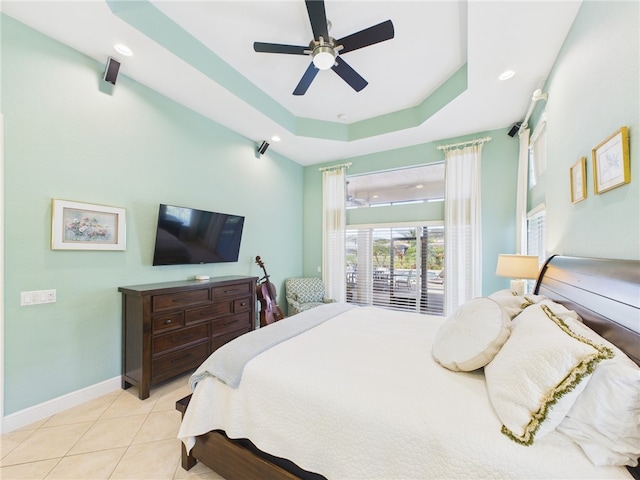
(517, 266)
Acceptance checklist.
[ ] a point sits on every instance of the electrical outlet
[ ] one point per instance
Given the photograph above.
(36, 297)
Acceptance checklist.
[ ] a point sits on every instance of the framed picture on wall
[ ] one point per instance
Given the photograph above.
(578, 180)
(86, 226)
(611, 161)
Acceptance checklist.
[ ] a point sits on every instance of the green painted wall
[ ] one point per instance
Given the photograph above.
(499, 173)
(593, 90)
(68, 137)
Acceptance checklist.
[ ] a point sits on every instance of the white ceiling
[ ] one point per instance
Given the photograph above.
(432, 40)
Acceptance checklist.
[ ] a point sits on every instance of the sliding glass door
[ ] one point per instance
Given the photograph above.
(397, 266)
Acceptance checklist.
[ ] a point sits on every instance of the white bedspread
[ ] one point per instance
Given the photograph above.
(360, 397)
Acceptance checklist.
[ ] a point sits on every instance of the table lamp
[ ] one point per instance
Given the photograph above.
(519, 268)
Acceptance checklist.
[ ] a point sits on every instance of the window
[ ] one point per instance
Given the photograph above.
(396, 266)
(420, 184)
(536, 233)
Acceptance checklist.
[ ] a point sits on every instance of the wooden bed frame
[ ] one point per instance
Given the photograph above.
(605, 293)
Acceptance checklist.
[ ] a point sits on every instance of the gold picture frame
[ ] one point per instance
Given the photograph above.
(578, 175)
(611, 162)
(86, 226)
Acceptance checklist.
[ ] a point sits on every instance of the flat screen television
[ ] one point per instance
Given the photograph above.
(187, 236)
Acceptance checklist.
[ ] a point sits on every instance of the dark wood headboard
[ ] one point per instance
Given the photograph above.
(604, 292)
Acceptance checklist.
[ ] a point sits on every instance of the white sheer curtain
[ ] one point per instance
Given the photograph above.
(463, 230)
(521, 192)
(333, 230)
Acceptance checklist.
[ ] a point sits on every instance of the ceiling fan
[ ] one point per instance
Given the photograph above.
(326, 52)
(352, 201)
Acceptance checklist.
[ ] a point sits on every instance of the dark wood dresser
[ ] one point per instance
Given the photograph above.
(170, 328)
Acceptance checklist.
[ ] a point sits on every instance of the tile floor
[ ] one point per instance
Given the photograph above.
(116, 436)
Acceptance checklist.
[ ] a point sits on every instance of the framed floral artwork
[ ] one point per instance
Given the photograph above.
(86, 226)
(611, 161)
(578, 180)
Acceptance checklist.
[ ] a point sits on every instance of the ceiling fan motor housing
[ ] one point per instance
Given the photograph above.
(324, 53)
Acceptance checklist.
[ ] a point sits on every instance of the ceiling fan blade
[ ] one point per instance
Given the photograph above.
(306, 80)
(369, 36)
(349, 75)
(279, 48)
(318, 18)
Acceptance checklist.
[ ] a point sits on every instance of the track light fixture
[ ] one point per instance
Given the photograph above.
(514, 129)
(111, 70)
(263, 147)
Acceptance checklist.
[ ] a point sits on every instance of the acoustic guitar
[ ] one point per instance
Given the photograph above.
(269, 310)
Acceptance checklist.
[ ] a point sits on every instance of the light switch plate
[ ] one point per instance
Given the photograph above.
(36, 297)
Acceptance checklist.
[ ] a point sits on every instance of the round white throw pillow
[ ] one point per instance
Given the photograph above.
(472, 335)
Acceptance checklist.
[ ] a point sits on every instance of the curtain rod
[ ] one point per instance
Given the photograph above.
(335, 167)
(460, 144)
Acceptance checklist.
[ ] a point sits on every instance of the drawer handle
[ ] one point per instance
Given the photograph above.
(176, 340)
(175, 360)
(167, 322)
(242, 304)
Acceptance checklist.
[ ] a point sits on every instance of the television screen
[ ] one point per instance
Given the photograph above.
(189, 236)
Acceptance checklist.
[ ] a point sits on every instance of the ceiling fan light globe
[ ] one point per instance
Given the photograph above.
(324, 57)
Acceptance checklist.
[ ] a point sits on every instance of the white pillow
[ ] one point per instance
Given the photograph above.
(536, 377)
(514, 304)
(605, 419)
(471, 336)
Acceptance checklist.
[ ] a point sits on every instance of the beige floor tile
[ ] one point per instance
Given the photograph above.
(87, 466)
(169, 399)
(46, 443)
(34, 425)
(28, 471)
(173, 384)
(198, 472)
(159, 426)
(11, 440)
(85, 412)
(149, 461)
(128, 405)
(109, 433)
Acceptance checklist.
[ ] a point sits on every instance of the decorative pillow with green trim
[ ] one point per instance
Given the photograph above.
(536, 377)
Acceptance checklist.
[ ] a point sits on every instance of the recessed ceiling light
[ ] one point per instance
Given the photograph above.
(506, 75)
(420, 185)
(275, 138)
(123, 49)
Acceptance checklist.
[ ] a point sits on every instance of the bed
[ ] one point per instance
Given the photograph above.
(372, 402)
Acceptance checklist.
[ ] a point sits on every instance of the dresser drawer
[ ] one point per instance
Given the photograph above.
(218, 309)
(179, 299)
(220, 340)
(179, 361)
(242, 305)
(231, 323)
(184, 336)
(232, 290)
(170, 321)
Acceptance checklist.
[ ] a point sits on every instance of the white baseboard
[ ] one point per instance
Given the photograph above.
(44, 410)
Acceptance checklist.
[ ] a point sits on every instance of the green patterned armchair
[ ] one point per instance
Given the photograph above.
(304, 293)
